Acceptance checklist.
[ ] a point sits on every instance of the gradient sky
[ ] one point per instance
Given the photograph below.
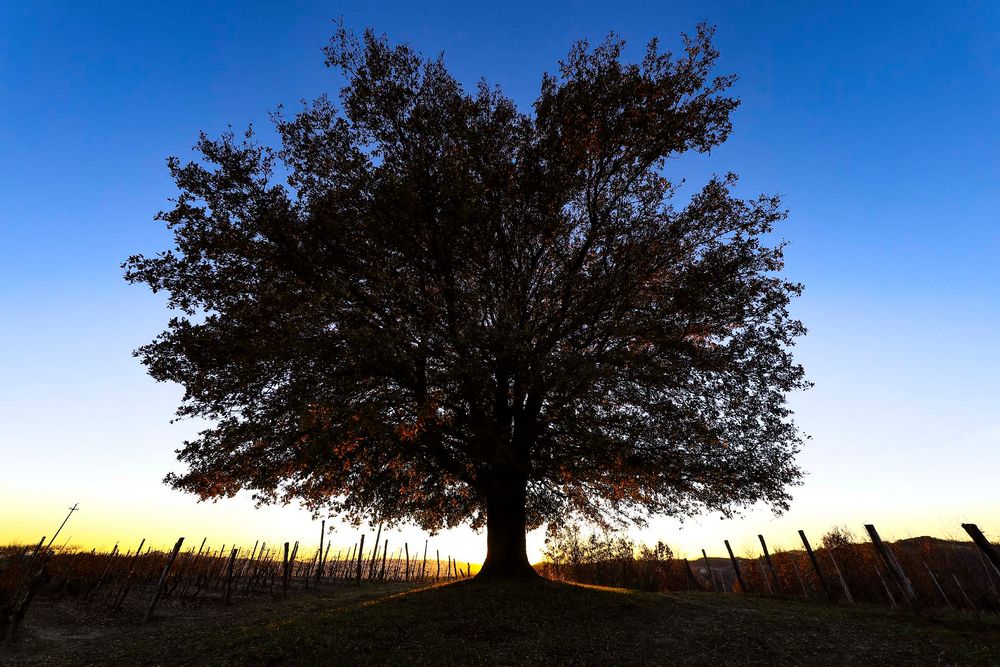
(878, 122)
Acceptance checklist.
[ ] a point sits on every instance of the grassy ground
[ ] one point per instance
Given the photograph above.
(553, 623)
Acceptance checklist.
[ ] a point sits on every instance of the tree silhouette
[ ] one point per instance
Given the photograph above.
(431, 306)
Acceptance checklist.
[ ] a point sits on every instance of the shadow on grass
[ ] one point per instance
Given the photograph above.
(549, 622)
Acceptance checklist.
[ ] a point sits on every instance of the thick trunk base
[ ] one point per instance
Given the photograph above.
(506, 552)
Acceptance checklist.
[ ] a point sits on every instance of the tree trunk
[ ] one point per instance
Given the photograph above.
(506, 553)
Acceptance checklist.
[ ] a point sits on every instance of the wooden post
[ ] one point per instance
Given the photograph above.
(711, 575)
(770, 566)
(406, 577)
(107, 568)
(285, 573)
(229, 574)
(385, 552)
(72, 509)
(736, 568)
(319, 568)
(326, 555)
(423, 568)
(438, 574)
(815, 564)
(893, 566)
(128, 577)
(361, 550)
(984, 545)
(163, 579)
(371, 564)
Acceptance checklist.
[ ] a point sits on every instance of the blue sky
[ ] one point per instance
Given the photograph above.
(878, 122)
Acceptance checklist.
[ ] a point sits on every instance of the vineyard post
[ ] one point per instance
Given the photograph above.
(104, 574)
(893, 566)
(72, 509)
(736, 568)
(33, 584)
(326, 556)
(984, 545)
(194, 566)
(815, 564)
(711, 575)
(371, 564)
(163, 579)
(128, 577)
(406, 577)
(229, 574)
(284, 573)
(438, 574)
(319, 568)
(361, 550)
(770, 566)
(385, 551)
(423, 568)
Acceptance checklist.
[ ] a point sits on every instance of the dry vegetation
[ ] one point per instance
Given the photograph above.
(468, 623)
(943, 573)
(104, 586)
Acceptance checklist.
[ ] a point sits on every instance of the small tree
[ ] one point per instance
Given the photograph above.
(457, 311)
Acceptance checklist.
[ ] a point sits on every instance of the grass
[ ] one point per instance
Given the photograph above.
(515, 623)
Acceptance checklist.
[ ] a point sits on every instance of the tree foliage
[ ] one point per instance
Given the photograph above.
(427, 295)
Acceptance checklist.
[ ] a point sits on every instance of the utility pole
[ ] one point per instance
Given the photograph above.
(72, 509)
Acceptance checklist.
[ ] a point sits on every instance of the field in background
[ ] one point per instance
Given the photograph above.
(134, 585)
(915, 573)
(914, 601)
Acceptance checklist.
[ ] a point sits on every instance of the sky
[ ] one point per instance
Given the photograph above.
(877, 123)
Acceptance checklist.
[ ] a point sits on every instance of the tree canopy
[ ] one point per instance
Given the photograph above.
(430, 305)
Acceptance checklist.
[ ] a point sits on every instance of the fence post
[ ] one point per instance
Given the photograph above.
(319, 568)
(371, 564)
(893, 566)
(163, 579)
(229, 574)
(984, 545)
(406, 577)
(736, 568)
(284, 573)
(361, 550)
(128, 577)
(815, 564)
(770, 566)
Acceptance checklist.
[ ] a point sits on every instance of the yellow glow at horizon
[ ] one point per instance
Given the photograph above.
(165, 515)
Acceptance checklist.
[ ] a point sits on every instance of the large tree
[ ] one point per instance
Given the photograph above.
(430, 305)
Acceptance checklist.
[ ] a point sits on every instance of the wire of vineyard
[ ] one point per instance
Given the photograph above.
(915, 572)
(131, 581)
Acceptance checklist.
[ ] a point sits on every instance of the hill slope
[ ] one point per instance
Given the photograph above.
(472, 623)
